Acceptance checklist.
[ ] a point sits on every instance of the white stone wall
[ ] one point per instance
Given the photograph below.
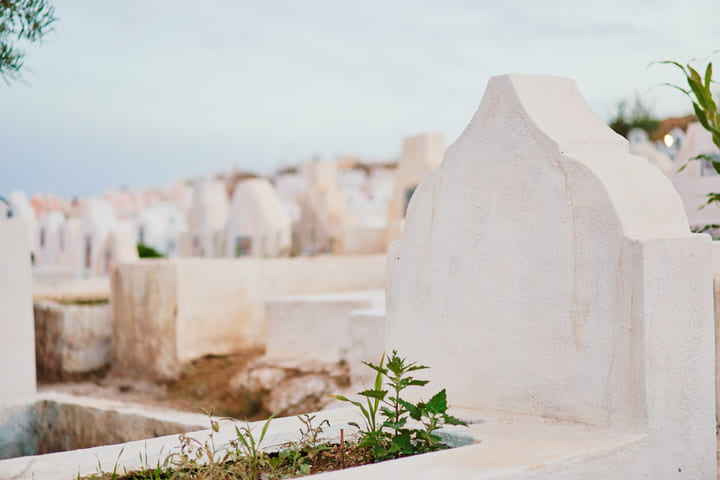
(17, 337)
(166, 313)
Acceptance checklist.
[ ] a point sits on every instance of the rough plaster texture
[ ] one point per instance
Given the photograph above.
(535, 277)
(168, 312)
(71, 339)
(314, 327)
(17, 336)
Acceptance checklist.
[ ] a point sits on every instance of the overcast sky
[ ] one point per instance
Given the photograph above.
(141, 92)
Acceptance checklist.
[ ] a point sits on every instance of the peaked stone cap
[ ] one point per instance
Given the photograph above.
(553, 110)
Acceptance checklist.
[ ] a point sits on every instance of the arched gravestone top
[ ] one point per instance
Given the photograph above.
(516, 277)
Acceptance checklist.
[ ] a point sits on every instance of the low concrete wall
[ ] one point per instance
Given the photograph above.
(70, 290)
(53, 422)
(71, 339)
(169, 312)
(315, 327)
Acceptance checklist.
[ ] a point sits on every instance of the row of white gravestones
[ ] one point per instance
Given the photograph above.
(17, 330)
(546, 271)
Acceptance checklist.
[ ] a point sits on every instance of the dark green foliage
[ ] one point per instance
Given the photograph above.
(640, 116)
(394, 437)
(148, 252)
(21, 21)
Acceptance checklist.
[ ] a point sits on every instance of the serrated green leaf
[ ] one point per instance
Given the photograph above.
(415, 412)
(377, 368)
(377, 394)
(387, 412)
(419, 383)
(417, 367)
(450, 420)
(438, 403)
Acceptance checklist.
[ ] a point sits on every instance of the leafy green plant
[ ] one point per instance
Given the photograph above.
(148, 252)
(248, 449)
(393, 427)
(373, 429)
(706, 109)
(394, 437)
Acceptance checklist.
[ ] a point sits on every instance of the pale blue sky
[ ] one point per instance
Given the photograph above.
(141, 92)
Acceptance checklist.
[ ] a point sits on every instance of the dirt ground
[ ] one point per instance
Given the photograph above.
(219, 384)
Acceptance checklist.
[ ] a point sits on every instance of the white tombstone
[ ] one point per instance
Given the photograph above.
(322, 207)
(160, 228)
(546, 273)
(258, 223)
(419, 155)
(17, 330)
(50, 241)
(206, 220)
(92, 255)
(698, 179)
(71, 238)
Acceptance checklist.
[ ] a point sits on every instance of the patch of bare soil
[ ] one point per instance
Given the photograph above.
(242, 385)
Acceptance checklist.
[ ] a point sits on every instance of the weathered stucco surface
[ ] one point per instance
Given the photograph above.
(168, 312)
(546, 271)
(71, 339)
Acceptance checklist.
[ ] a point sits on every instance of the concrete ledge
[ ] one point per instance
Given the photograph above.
(55, 422)
(497, 446)
(315, 327)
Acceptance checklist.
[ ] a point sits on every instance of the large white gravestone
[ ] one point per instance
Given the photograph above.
(17, 331)
(546, 272)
